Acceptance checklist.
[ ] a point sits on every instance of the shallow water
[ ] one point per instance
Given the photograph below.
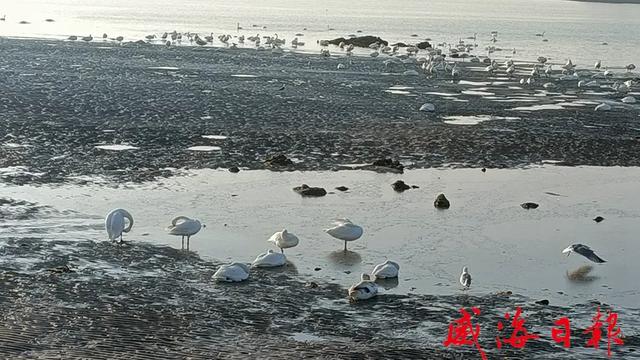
(574, 29)
(148, 286)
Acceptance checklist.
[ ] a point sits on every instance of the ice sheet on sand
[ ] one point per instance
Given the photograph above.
(538, 107)
(116, 147)
(478, 93)
(439, 93)
(474, 119)
(214, 137)
(169, 68)
(204, 148)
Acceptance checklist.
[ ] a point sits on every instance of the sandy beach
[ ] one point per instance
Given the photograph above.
(159, 102)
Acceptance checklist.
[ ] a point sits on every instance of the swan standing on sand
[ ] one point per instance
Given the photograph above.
(115, 223)
(465, 278)
(365, 289)
(234, 272)
(269, 259)
(284, 240)
(386, 270)
(185, 227)
(345, 230)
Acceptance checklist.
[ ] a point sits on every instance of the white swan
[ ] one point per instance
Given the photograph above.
(345, 230)
(386, 270)
(428, 107)
(234, 272)
(629, 100)
(365, 289)
(87, 38)
(116, 225)
(284, 240)
(269, 259)
(185, 227)
(465, 278)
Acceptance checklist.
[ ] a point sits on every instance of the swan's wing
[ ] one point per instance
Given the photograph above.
(114, 224)
(185, 227)
(275, 237)
(345, 232)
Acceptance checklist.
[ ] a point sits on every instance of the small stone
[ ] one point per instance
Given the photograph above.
(542, 302)
(306, 190)
(400, 186)
(279, 160)
(598, 219)
(317, 269)
(441, 202)
(483, 169)
(415, 187)
(529, 205)
(347, 271)
(342, 188)
(234, 169)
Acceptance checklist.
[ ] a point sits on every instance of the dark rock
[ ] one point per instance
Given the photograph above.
(598, 219)
(306, 190)
(278, 160)
(400, 44)
(384, 166)
(542, 302)
(484, 170)
(423, 45)
(529, 205)
(342, 188)
(317, 269)
(400, 186)
(64, 269)
(360, 41)
(441, 202)
(415, 187)
(312, 284)
(234, 169)
(347, 271)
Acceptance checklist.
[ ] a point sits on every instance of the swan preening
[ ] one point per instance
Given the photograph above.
(234, 272)
(386, 270)
(116, 223)
(345, 230)
(185, 227)
(284, 240)
(465, 278)
(365, 289)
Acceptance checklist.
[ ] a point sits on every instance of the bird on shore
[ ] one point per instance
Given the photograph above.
(345, 230)
(87, 38)
(269, 259)
(184, 227)
(284, 240)
(585, 251)
(72, 38)
(365, 289)
(234, 272)
(465, 278)
(386, 270)
(630, 67)
(116, 223)
(119, 38)
(598, 65)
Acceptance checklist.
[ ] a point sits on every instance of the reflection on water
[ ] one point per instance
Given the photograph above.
(342, 257)
(581, 274)
(388, 283)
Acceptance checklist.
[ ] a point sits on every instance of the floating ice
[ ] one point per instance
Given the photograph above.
(204, 148)
(116, 147)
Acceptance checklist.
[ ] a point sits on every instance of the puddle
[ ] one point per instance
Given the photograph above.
(440, 93)
(474, 83)
(116, 147)
(474, 119)
(477, 93)
(204, 148)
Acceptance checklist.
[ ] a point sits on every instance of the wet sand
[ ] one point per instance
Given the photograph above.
(70, 100)
(151, 298)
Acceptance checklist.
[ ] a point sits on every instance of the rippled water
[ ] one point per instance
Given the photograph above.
(574, 29)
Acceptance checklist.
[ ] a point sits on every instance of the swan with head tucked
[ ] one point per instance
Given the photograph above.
(185, 227)
(234, 272)
(116, 224)
(284, 240)
(465, 278)
(269, 259)
(365, 289)
(345, 230)
(386, 270)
